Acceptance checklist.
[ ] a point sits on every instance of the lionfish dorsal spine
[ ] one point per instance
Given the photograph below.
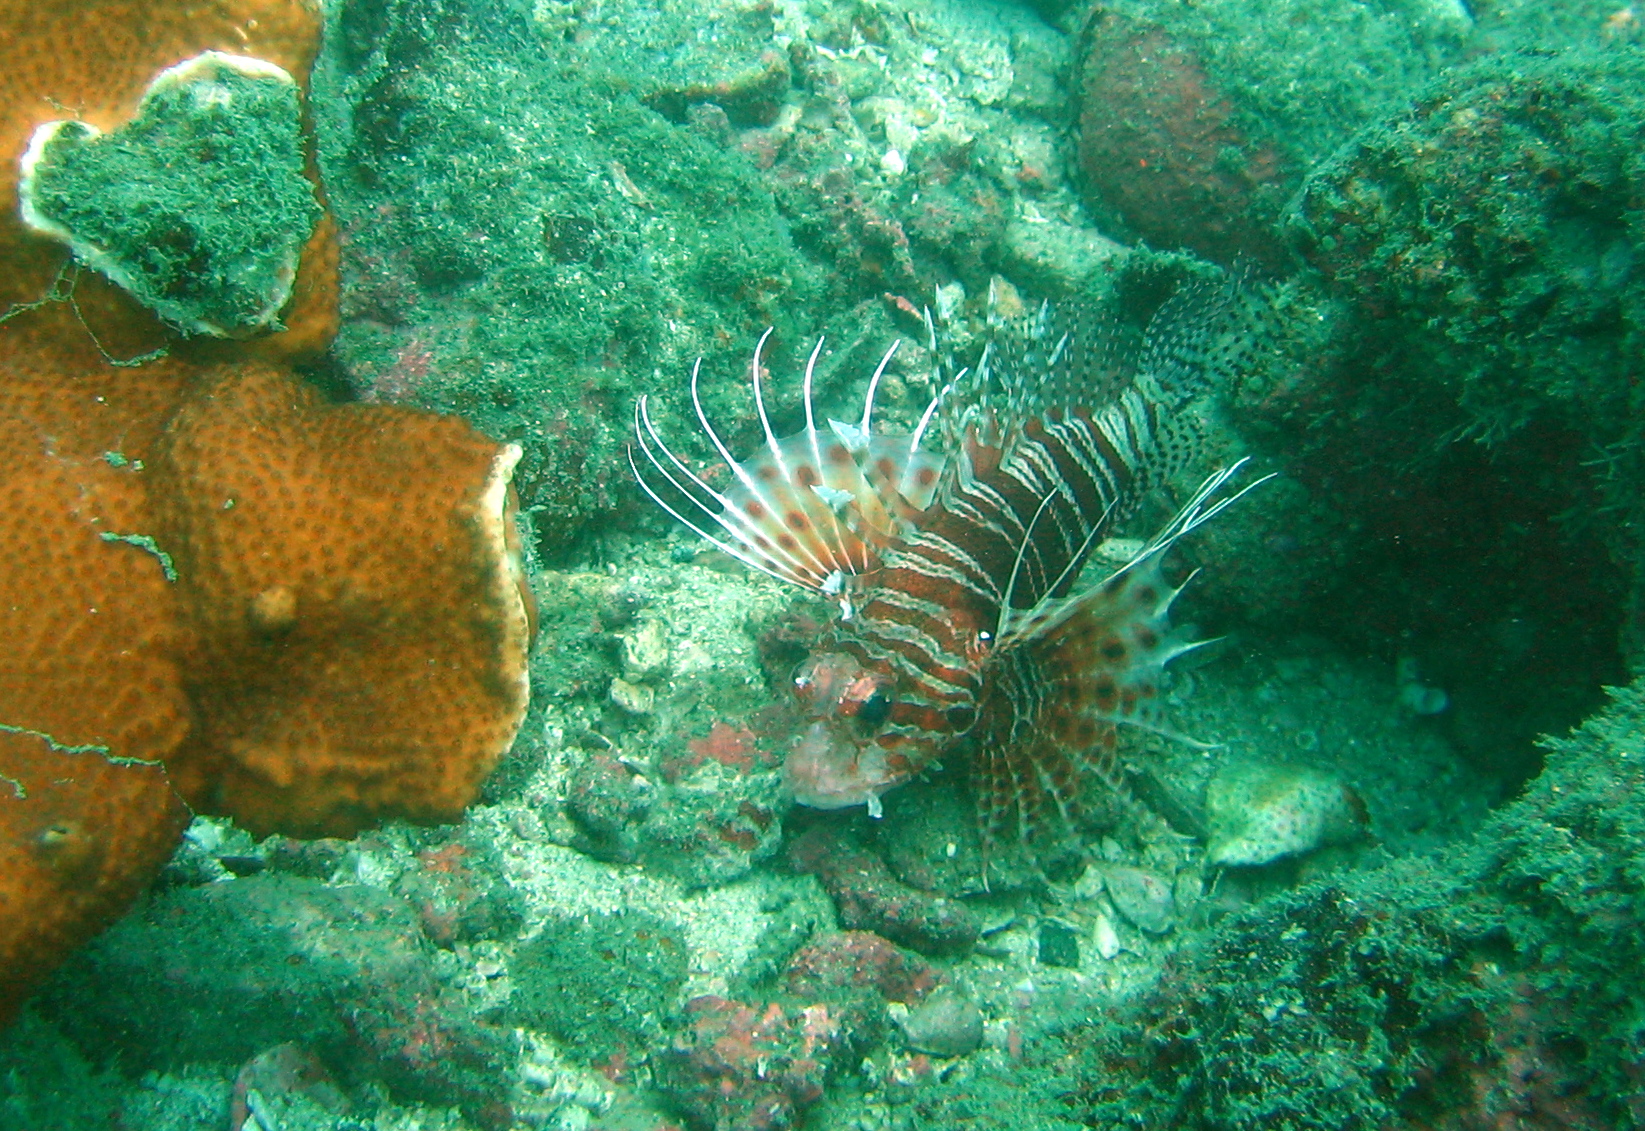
(811, 509)
(1207, 501)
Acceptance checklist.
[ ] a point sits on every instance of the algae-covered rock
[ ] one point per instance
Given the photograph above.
(602, 984)
(1493, 983)
(1494, 224)
(696, 790)
(552, 208)
(1495, 978)
(198, 206)
(221, 973)
(871, 898)
(948, 1023)
(1458, 398)
(761, 1063)
(529, 244)
(1198, 121)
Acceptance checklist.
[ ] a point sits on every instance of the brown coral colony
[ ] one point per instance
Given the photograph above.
(220, 593)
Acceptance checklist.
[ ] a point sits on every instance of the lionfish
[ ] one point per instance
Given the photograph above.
(963, 624)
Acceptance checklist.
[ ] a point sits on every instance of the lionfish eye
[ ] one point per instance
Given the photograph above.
(875, 709)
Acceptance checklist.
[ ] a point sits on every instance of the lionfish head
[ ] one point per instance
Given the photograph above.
(842, 756)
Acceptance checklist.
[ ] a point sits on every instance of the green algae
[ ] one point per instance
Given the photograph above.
(602, 984)
(1199, 121)
(1475, 278)
(1495, 976)
(46, 1083)
(1494, 227)
(1332, 1005)
(527, 243)
(198, 206)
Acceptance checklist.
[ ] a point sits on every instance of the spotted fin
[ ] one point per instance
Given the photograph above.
(1052, 721)
(813, 508)
(844, 504)
(1043, 617)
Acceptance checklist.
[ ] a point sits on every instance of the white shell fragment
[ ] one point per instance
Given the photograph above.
(1104, 939)
(1144, 899)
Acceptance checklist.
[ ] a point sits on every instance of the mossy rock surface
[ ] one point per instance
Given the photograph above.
(601, 984)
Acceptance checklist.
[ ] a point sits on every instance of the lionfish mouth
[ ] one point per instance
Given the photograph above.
(827, 770)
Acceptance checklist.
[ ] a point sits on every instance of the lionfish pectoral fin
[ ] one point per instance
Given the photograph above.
(1027, 787)
(836, 499)
(805, 508)
(1033, 790)
(740, 542)
(1096, 666)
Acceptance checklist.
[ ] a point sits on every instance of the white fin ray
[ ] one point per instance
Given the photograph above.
(809, 509)
(744, 551)
(842, 559)
(873, 387)
(1045, 617)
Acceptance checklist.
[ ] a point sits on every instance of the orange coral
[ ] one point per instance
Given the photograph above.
(367, 667)
(83, 671)
(215, 587)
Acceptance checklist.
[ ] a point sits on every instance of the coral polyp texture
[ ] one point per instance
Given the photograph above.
(218, 588)
(359, 619)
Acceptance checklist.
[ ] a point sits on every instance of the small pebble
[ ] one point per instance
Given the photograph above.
(635, 698)
(947, 1023)
(1142, 897)
(1105, 938)
(646, 651)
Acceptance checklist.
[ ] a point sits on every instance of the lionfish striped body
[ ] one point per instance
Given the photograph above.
(962, 625)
